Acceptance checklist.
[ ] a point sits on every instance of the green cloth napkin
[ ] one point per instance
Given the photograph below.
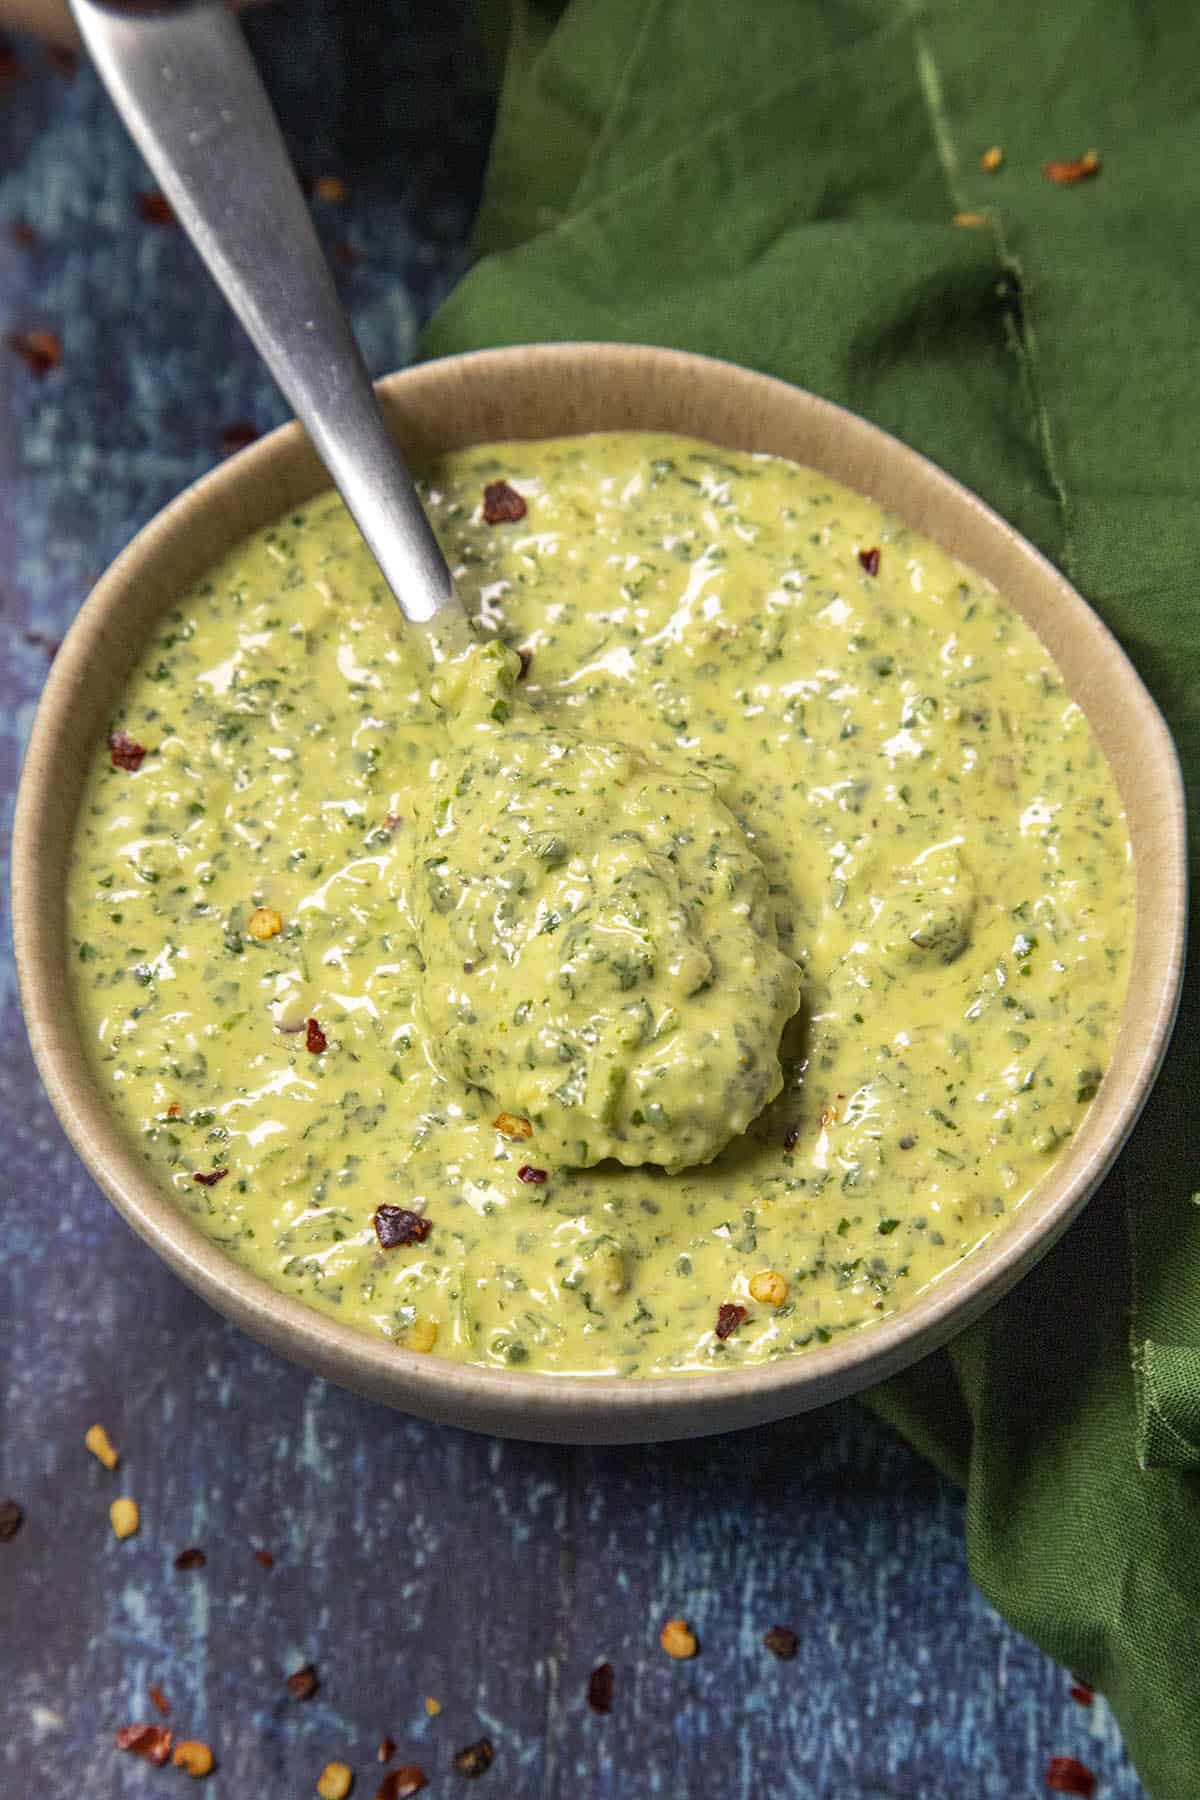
(776, 181)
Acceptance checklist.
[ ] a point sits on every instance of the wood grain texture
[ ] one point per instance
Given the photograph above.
(410, 1559)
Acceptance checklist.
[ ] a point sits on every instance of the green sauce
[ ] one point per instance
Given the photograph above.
(874, 779)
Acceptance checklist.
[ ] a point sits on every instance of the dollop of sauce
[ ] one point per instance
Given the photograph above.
(852, 725)
(597, 940)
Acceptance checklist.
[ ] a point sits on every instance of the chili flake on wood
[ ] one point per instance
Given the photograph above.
(1082, 1692)
(335, 1781)
(502, 505)
(155, 208)
(476, 1759)
(386, 1750)
(396, 1225)
(870, 560)
(600, 1688)
(408, 1779)
(679, 1640)
(782, 1642)
(191, 1558)
(533, 1177)
(729, 1317)
(40, 350)
(10, 1520)
(264, 1559)
(100, 1444)
(303, 1683)
(210, 1177)
(314, 1038)
(1067, 171)
(125, 752)
(237, 436)
(195, 1757)
(1066, 1775)
(151, 1741)
(159, 1699)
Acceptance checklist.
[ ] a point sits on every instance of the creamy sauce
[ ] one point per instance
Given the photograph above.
(597, 941)
(917, 814)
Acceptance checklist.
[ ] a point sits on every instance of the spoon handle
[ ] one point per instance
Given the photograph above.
(183, 80)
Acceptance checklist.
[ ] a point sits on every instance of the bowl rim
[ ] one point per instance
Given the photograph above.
(597, 1408)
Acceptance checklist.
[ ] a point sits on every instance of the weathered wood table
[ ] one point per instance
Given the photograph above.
(409, 1563)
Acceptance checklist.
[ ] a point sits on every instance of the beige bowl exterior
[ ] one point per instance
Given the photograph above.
(542, 391)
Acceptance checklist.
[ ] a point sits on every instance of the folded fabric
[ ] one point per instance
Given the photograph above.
(798, 186)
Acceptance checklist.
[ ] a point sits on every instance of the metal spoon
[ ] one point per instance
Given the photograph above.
(182, 77)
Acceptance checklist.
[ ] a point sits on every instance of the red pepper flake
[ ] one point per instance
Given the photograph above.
(600, 1688)
(314, 1038)
(10, 1520)
(782, 1642)
(476, 1759)
(40, 350)
(791, 1139)
(534, 1177)
(303, 1684)
(264, 1559)
(151, 1741)
(395, 1225)
(386, 1750)
(62, 60)
(1067, 172)
(392, 821)
(238, 435)
(174, 1111)
(1082, 1692)
(191, 1558)
(210, 1177)
(23, 235)
(1065, 1775)
(125, 752)
(155, 208)
(870, 560)
(159, 1699)
(502, 505)
(408, 1779)
(10, 65)
(729, 1317)
(330, 188)
(526, 657)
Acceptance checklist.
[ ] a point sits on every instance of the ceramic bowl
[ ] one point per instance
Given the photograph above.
(543, 391)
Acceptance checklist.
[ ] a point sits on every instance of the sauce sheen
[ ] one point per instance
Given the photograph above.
(894, 789)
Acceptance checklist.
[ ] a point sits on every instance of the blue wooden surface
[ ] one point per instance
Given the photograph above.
(410, 1560)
